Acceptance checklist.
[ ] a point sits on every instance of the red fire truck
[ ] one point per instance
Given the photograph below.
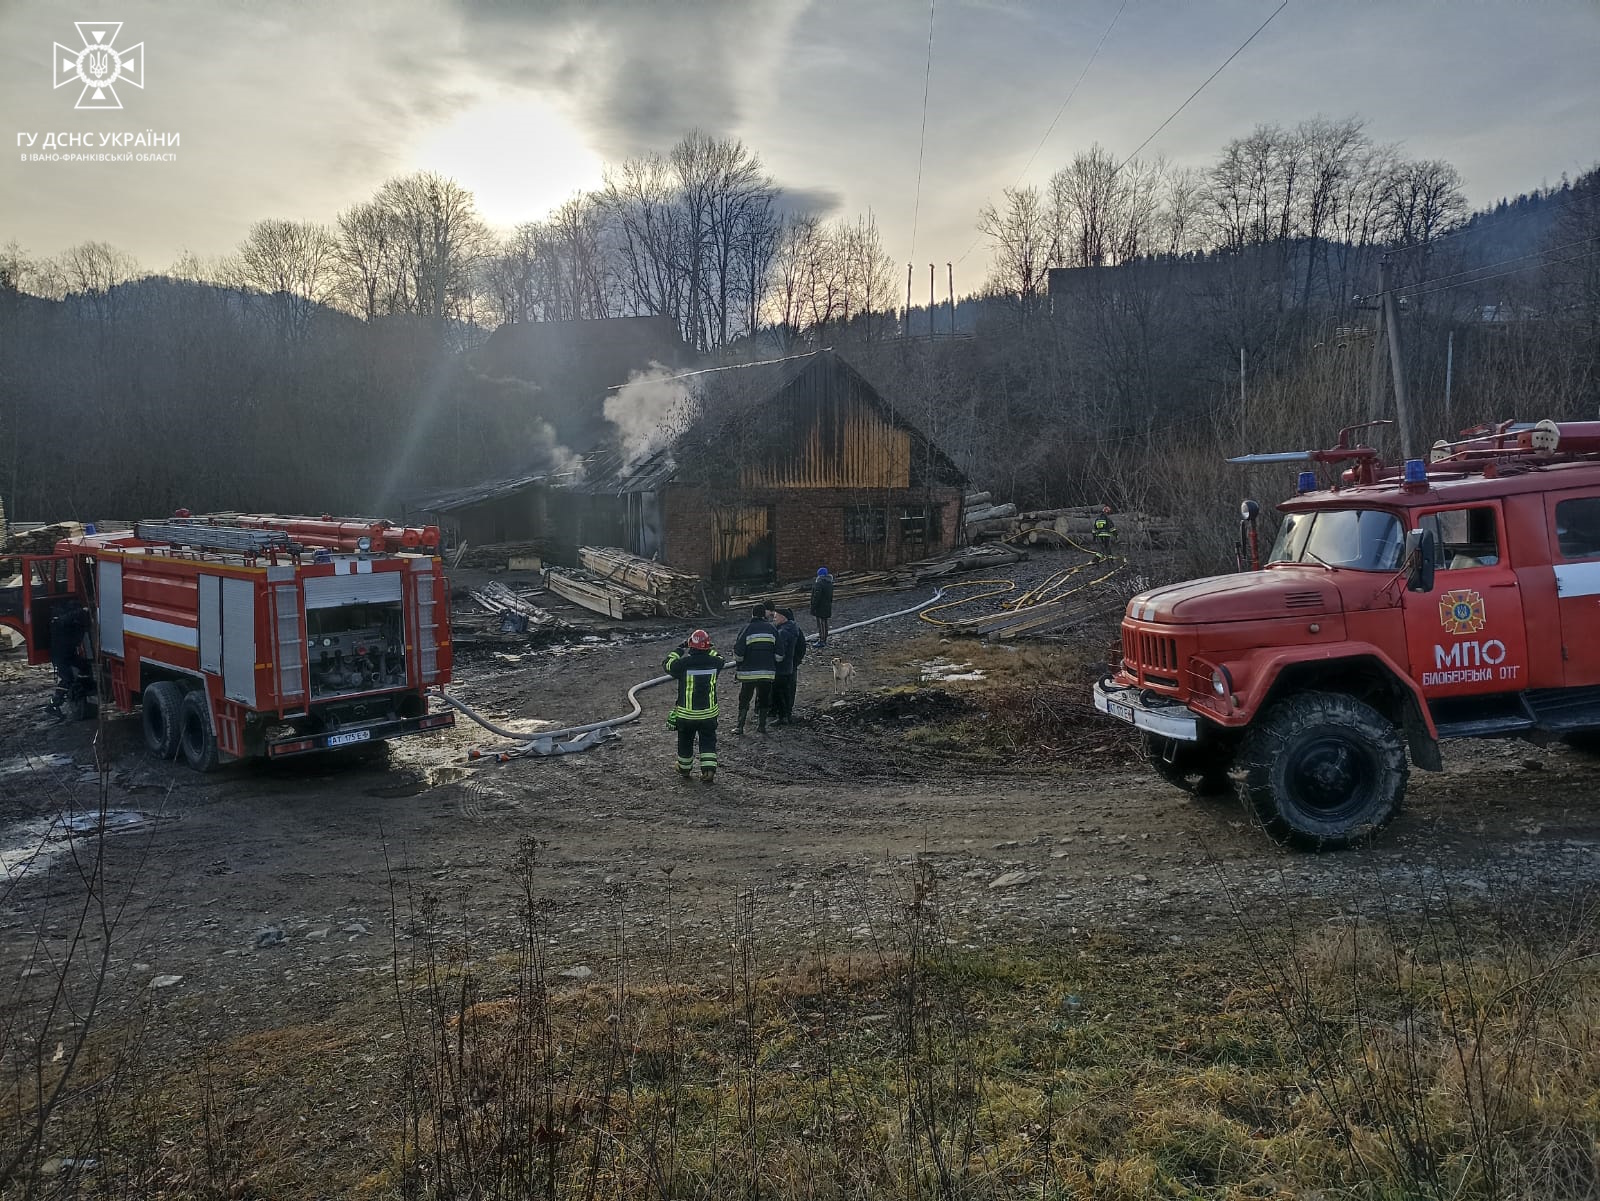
(250, 636)
(1399, 606)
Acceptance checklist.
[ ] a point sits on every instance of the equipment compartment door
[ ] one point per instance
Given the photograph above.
(1575, 550)
(1466, 637)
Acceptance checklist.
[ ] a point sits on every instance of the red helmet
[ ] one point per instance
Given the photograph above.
(699, 641)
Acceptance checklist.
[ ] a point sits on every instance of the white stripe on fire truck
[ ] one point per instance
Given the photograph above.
(161, 631)
(1578, 579)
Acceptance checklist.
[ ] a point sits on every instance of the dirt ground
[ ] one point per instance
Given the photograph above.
(269, 890)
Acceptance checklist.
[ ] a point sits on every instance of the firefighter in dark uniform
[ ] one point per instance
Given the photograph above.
(755, 652)
(791, 652)
(1105, 532)
(695, 666)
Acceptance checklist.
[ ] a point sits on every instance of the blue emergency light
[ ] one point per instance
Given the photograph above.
(1416, 471)
(89, 528)
(1308, 482)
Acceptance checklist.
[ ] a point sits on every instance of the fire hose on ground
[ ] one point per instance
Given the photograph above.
(570, 739)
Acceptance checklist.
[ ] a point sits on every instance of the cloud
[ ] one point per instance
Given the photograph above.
(635, 76)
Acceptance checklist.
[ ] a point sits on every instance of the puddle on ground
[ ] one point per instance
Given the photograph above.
(30, 848)
(27, 764)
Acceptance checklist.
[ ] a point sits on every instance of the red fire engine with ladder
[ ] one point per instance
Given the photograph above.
(1398, 607)
(251, 636)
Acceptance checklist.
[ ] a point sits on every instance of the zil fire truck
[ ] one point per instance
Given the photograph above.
(1400, 606)
(250, 636)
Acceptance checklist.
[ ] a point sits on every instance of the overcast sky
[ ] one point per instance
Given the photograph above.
(299, 109)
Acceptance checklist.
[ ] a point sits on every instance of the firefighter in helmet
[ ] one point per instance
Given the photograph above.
(1105, 532)
(694, 665)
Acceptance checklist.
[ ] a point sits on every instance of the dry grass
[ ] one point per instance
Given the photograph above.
(1437, 1057)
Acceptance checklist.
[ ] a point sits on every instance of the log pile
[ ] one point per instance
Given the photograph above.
(675, 592)
(991, 556)
(1069, 526)
(598, 595)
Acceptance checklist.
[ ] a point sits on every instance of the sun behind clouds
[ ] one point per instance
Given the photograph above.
(520, 158)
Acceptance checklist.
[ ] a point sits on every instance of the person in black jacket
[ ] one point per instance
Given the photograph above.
(695, 666)
(791, 653)
(755, 652)
(822, 604)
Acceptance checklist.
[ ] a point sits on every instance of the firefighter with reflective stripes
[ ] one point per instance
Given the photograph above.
(695, 666)
(1105, 532)
(756, 653)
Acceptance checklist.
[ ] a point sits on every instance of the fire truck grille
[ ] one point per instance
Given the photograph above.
(1154, 656)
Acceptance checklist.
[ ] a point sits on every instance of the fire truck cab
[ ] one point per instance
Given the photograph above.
(248, 636)
(1397, 608)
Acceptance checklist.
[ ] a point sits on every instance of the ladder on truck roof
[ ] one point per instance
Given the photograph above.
(204, 536)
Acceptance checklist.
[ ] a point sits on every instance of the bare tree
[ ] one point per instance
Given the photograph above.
(442, 239)
(293, 262)
(1020, 236)
(372, 276)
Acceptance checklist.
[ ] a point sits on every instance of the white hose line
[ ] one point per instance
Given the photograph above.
(525, 742)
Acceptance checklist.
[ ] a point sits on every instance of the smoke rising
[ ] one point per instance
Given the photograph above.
(651, 411)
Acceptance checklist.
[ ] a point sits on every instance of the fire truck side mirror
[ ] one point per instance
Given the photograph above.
(1421, 561)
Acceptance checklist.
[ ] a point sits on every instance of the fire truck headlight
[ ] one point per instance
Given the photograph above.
(1221, 681)
(363, 544)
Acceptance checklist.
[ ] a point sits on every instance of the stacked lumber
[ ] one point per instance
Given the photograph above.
(991, 556)
(499, 554)
(675, 592)
(598, 595)
(497, 598)
(1098, 602)
(1063, 527)
(40, 540)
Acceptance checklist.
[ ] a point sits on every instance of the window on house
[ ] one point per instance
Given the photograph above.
(865, 525)
(919, 525)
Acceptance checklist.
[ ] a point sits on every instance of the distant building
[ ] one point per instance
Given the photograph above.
(786, 466)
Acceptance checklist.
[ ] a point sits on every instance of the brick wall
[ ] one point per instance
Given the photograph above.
(809, 528)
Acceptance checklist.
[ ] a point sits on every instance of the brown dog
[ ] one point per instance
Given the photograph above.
(842, 671)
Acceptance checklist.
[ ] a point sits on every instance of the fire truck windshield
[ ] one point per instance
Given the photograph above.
(1358, 539)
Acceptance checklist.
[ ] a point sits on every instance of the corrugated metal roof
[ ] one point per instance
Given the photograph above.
(461, 498)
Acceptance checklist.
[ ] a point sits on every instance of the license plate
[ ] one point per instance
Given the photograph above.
(347, 739)
(1120, 712)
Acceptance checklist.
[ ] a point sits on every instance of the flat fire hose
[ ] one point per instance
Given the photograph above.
(585, 737)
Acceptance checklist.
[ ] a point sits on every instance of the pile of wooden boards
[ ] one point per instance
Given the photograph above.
(40, 540)
(497, 598)
(676, 593)
(1094, 600)
(599, 595)
(497, 554)
(992, 556)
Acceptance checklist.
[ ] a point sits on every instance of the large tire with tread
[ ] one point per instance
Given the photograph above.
(1199, 770)
(162, 717)
(1323, 771)
(197, 738)
(1584, 741)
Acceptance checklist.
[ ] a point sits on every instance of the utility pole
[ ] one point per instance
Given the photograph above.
(1397, 362)
(908, 300)
(1449, 377)
(951, 269)
(1241, 381)
(933, 304)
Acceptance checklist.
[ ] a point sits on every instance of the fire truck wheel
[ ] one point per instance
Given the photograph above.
(162, 718)
(1586, 742)
(198, 739)
(1323, 771)
(1201, 771)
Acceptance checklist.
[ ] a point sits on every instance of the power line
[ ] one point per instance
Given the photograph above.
(922, 140)
(1073, 91)
(1203, 86)
(1501, 263)
(1500, 274)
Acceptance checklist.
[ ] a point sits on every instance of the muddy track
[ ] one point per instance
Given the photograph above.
(839, 812)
